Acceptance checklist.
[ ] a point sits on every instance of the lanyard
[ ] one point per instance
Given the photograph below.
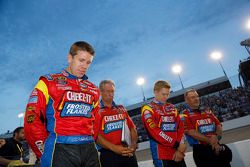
(20, 149)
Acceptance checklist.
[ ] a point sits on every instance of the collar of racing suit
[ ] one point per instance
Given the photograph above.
(157, 102)
(102, 104)
(70, 76)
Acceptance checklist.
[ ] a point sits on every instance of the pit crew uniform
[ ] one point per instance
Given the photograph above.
(204, 121)
(60, 115)
(111, 123)
(165, 130)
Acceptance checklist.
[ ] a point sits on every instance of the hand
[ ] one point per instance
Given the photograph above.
(15, 163)
(217, 148)
(213, 140)
(121, 150)
(133, 147)
(178, 156)
(182, 147)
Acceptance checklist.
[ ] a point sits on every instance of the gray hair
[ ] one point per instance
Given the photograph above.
(188, 91)
(103, 82)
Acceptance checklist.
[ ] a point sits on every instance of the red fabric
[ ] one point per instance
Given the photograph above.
(110, 123)
(64, 90)
(196, 119)
(162, 120)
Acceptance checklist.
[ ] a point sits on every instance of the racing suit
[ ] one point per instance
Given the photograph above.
(204, 121)
(61, 111)
(165, 130)
(112, 122)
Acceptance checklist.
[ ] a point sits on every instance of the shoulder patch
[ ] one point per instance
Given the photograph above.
(48, 77)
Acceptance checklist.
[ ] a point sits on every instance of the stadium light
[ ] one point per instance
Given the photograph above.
(140, 81)
(177, 70)
(216, 55)
(248, 24)
(20, 116)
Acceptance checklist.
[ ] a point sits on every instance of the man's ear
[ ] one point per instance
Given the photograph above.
(70, 58)
(2, 142)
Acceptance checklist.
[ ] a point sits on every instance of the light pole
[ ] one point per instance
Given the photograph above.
(217, 56)
(177, 70)
(20, 116)
(140, 81)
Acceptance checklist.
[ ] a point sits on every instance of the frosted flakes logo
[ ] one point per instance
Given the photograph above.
(207, 128)
(113, 126)
(168, 127)
(76, 109)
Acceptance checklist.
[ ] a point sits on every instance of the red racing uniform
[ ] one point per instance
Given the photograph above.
(202, 121)
(61, 109)
(111, 120)
(164, 127)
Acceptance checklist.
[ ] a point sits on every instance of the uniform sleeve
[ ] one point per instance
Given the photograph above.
(129, 121)
(164, 138)
(96, 115)
(215, 119)
(35, 120)
(187, 122)
(180, 130)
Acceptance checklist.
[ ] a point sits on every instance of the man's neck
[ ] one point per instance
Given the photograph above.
(194, 107)
(161, 101)
(16, 139)
(107, 103)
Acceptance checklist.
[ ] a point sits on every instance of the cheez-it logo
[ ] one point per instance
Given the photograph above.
(204, 121)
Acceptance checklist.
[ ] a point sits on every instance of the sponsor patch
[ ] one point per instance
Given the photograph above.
(63, 87)
(168, 118)
(34, 92)
(76, 109)
(31, 108)
(40, 146)
(83, 85)
(146, 116)
(30, 118)
(168, 127)
(48, 77)
(206, 129)
(149, 120)
(33, 99)
(166, 137)
(79, 97)
(169, 108)
(112, 118)
(61, 80)
(152, 125)
(113, 126)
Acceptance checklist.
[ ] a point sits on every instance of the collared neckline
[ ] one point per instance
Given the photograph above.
(103, 106)
(70, 76)
(158, 102)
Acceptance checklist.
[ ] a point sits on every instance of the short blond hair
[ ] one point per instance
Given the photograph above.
(161, 84)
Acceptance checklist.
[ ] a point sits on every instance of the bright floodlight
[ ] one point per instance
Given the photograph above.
(176, 69)
(140, 81)
(216, 55)
(20, 115)
(248, 24)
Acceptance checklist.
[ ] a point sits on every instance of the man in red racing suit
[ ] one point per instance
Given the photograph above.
(61, 112)
(165, 129)
(203, 132)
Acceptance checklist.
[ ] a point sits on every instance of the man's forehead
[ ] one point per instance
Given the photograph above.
(192, 93)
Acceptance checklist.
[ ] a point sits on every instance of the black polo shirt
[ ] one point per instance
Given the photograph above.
(11, 150)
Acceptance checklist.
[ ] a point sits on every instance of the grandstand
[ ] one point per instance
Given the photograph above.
(226, 102)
